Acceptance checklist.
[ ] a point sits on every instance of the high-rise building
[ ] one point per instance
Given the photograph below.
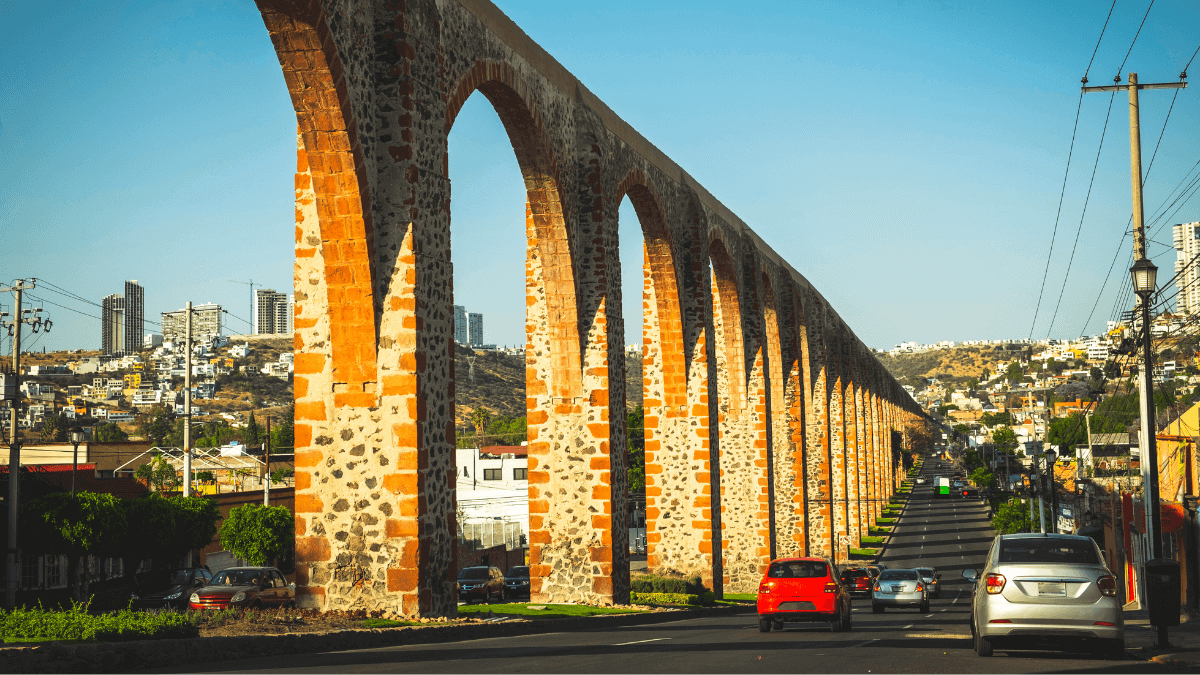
(268, 318)
(1187, 266)
(135, 306)
(206, 324)
(460, 324)
(112, 324)
(476, 328)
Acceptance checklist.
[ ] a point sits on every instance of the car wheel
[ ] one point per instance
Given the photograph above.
(983, 645)
(1115, 651)
(764, 625)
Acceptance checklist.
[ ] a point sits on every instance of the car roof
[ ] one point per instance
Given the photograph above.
(798, 559)
(1038, 535)
(229, 569)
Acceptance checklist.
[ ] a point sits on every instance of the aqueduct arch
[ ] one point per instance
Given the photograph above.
(772, 430)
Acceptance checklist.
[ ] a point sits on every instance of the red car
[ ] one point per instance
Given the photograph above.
(803, 589)
(857, 581)
(253, 587)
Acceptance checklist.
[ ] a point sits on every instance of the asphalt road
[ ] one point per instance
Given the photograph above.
(948, 534)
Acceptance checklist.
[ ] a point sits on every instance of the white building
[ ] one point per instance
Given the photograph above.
(1186, 237)
(493, 485)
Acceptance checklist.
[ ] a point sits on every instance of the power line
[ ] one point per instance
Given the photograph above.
(1135, 39)
(1062, 291)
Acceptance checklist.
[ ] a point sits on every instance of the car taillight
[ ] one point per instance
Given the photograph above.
(1103, 623)
(1108, 585)
(876, 588)
(831, 587)
(964, 493)
(995, 583)
(766, 588)
(920, 588)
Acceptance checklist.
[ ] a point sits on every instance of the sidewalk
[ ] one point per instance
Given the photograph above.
(1140, 637)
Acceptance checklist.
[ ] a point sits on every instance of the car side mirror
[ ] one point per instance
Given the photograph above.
(970, 575)
(292, 586)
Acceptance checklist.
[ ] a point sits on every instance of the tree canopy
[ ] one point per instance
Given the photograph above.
(258, 534)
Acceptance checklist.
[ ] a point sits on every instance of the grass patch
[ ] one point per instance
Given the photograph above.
(872, 540)
(885, 521)
(77, 624)
(879, 530)
(21, 640)
(551, 611)
(742, 597)
(863, 553)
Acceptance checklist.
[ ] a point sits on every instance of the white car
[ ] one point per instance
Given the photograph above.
(921, 480)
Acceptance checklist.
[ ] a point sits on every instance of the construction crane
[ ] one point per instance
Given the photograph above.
(251, 284)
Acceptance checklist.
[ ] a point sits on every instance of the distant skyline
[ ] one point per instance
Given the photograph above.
(906, 157)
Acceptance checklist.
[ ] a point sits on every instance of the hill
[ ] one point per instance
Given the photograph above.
(954, 365)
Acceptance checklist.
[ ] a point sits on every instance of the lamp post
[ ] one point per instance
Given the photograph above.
(1144, 276)
(76, 439)
(1051, 457)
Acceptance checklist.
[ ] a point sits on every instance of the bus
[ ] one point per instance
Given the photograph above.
(941, 486)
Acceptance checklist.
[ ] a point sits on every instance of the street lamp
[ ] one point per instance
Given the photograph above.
(1051, 457)
(76, 439)
(1144, 277)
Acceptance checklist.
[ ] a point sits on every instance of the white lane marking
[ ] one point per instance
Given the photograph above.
(940, 610)
(930, 616)
(638, 642)
(909, 626)
(956, 596)
(863, 644)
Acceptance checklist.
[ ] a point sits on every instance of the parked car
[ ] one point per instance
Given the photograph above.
(803, 589)
(253, 587)
(1038, 590)
(857, 581)
(931, 578)
(516, 582)
(480, 583)
(168, 589)
(899, 588)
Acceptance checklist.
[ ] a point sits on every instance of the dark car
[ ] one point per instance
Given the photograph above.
(480, 583)
(874, 570)
(253, 587)
(857, 582)
(932, 579)
(516, 582)
(168, 589)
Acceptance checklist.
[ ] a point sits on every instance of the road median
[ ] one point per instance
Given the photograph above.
(110, 657)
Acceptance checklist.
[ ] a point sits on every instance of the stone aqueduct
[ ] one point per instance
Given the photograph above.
(770, 428)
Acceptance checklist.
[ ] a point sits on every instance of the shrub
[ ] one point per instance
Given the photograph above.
(703, 598)
(258, 534)
(655, 584)
(77, 624)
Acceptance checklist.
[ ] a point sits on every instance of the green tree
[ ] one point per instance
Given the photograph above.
(1004, 440)
(983, 478)
(252, 432)
(180, 524)
(1012, 517)
(75, 526)
(55, 428)
(635, 442)
(258, 534)
(972, 383)
(283, 434)
(206, 477)
(155, 424)
(962, 430)
(1014, 372)
(282, 472)
(480, 417)
(108, 433)
(1067, 432)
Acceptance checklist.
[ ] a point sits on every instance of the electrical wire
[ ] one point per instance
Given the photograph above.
(1135, 39)
(1082, 215)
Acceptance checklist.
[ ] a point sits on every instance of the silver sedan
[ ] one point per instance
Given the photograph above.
(899, 588)
(1038, 590)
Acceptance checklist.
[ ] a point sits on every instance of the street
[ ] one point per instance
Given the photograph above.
(948, 534)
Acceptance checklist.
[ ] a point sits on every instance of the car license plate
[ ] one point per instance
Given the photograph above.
(1052, 589)
(897, 589)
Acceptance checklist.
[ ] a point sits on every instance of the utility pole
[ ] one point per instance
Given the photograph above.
(14, 442)
(1144, 274)
(267, 467)
(187, 406)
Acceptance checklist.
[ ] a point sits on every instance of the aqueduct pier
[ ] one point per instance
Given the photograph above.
(770, 428)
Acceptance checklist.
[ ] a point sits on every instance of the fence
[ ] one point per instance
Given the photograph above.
(487, 534)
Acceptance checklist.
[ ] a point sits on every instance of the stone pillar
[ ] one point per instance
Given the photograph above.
(818, 488)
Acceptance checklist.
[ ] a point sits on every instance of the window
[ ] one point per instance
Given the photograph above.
(31, 571)
(1048, 550)
(800, 569)
(54, 575)
(520, 474)
(491, 474)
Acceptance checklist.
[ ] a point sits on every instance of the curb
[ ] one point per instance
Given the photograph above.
(107, 657)
(903, 510)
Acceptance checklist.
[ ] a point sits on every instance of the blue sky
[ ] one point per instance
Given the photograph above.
(906, 157)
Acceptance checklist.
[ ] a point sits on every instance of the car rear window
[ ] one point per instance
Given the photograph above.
(898, 575)
(1048, 550)
(474, 573)
(798, 569)
(852, 574)
(925, 571)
